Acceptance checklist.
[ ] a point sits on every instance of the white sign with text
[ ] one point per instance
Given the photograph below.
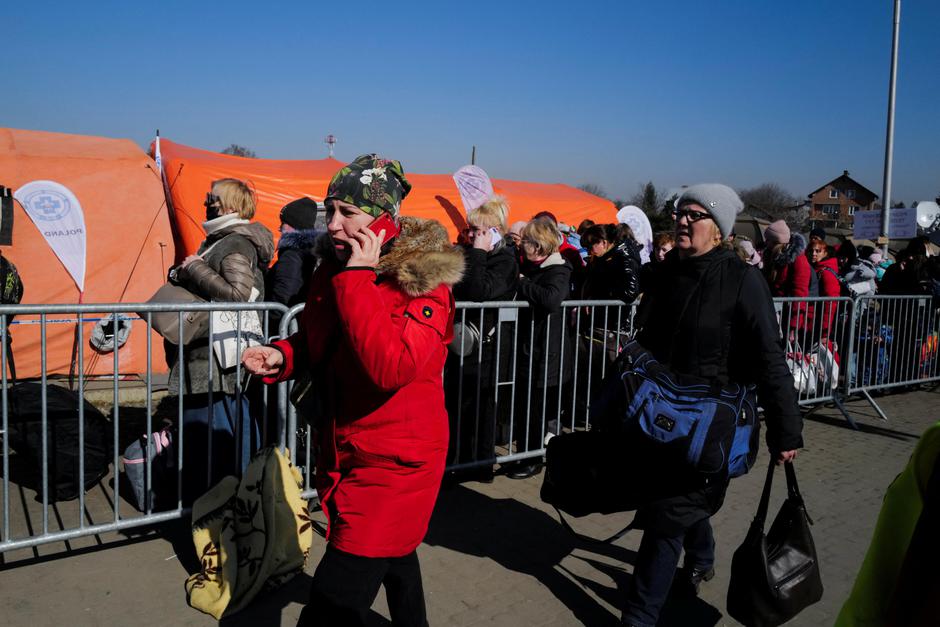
(902, 224)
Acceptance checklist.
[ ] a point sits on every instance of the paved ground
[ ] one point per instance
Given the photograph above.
(495, 555)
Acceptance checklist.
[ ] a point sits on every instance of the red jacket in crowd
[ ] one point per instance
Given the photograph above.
(376, 349)
(792, 279)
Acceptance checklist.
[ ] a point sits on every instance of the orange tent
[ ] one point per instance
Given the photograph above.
(190, 172)
(129, 244)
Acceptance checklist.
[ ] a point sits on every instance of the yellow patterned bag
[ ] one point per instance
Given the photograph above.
(250, 535)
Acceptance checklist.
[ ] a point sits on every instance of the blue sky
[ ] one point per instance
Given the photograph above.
(612, 93)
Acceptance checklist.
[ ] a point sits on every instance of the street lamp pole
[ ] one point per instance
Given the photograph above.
(889, 142)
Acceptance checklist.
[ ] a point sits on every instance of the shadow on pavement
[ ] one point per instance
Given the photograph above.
(526, 540)
(839, 421)
(268, 606)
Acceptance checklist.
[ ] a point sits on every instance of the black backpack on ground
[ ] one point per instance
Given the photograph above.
(25, 433)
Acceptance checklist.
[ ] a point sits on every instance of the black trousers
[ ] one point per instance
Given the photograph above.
(345, 585)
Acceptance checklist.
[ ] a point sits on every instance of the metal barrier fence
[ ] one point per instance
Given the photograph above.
(507, 390)
(513, 378)
(813, 330)
(894, 343)
(27, 523)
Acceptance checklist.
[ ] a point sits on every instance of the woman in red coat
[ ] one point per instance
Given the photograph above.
(789, 274)
(827, 270)
(376, 324)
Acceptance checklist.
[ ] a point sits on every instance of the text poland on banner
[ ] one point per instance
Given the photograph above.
(57, 214)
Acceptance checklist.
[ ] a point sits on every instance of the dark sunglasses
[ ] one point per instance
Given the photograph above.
(690, 215)
(211, 199)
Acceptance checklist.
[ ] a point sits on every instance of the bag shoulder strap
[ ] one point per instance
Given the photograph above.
(793, 491)
(589, 539)
(761, 516)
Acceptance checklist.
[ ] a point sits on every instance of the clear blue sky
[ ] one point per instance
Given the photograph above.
(607, 92)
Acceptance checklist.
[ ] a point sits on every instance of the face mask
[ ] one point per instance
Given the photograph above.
(213, 206)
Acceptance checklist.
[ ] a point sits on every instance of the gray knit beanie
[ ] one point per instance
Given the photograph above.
(719, 200)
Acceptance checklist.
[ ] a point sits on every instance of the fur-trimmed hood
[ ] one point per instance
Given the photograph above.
(302, 239)
(420, 259)
(791, 251)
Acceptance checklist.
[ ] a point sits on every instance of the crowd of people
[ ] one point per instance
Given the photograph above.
(381, 324)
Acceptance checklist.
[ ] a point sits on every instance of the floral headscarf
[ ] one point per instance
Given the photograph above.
(373, 184)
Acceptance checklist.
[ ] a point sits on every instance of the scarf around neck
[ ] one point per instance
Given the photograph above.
(222, 222)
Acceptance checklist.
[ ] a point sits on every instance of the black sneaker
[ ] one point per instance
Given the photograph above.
(687, 583)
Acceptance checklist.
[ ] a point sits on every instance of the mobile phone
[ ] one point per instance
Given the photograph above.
(495, 237)
(385, 221)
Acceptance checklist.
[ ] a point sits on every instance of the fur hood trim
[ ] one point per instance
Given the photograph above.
(791, 251)
(421, 257)
(303, 239)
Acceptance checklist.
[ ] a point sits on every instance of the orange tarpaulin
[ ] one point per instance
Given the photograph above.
(190, 172)
(129, 244)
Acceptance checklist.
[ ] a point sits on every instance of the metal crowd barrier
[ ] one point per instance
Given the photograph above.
(894, 343)
(26, 522)
(504, 396)
(503, 401)
(814, 332)
(503, 405)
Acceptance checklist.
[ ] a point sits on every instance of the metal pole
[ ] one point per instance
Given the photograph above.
(473, 156)
(889, 141)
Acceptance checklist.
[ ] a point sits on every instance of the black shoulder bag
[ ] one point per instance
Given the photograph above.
(775, 576)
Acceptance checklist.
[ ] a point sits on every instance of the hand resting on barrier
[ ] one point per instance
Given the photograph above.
(262, 360)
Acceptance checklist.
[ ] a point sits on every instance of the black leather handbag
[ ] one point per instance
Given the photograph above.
(775, 576)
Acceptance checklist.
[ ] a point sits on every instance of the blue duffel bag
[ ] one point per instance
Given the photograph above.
(709, 427)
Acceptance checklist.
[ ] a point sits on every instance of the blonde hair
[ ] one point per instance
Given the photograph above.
(543, 234)
(237, 195)
(490, 215)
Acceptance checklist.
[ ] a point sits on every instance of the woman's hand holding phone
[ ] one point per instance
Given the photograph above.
(366, 248)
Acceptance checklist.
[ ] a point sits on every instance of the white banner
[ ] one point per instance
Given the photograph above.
(474, 186)
(57, 214)
(634, 217)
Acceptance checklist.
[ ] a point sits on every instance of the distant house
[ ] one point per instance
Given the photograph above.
(836, 202)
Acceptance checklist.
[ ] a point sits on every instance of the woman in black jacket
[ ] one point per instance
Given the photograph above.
(614, 270)
(491, 274)
(710, 315)
(544, 356)
(289, 278)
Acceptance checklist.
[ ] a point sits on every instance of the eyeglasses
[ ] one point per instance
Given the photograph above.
(690, 215)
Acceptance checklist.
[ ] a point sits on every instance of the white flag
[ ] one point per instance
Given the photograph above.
(474, 186)
(57, 214)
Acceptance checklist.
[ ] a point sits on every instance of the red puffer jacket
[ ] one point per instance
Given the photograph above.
(381, 346)
(792, 279)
